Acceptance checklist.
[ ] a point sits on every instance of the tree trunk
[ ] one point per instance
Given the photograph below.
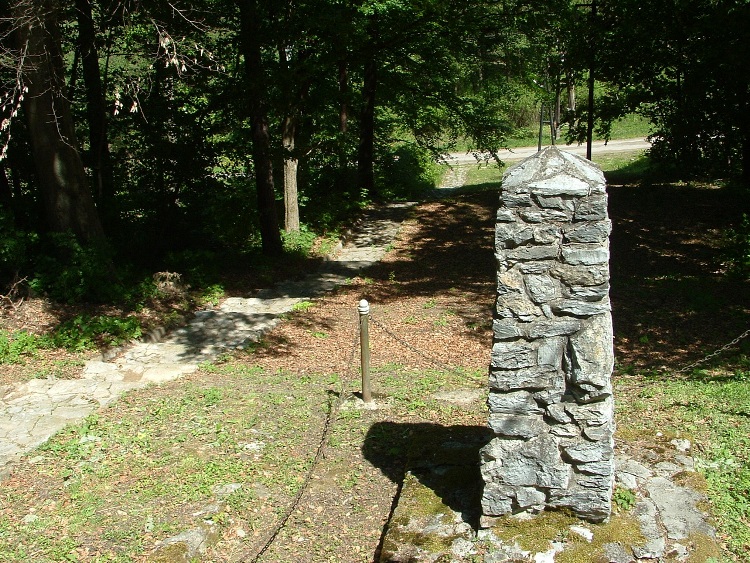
(96, 112)
(261, 138)
(62, 180)
(366, 152)
(291, 200)
(343, 94)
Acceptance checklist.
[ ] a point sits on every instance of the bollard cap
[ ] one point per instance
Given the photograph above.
(363, 307)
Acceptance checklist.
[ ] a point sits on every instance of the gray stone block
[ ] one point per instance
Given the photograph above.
(531, 378)
(591, 209)
(527, 253)
(542, 288)
(516, 426)
(513, 402)
(589, 233)
(587, 255)
(551, 327)
(511, 235)
(586, 293)
(589, 452)
(547, 234)
(512, 355)
(559, 203)
(577, 308)
(581, 275)
(561, 184)
(506, 329)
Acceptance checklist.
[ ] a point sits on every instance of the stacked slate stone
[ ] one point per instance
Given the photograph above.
(550, 398)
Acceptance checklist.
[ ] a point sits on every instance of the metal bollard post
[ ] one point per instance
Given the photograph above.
(364, 340)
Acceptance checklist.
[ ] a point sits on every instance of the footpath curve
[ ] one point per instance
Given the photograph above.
(31, 412)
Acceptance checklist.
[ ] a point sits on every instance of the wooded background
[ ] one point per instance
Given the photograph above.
(147, 134)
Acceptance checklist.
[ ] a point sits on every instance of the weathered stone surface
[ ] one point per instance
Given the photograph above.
(527, 497)
(578, 308)
(532, 378)
(505, 216)
(588, 503)
(514, 199)
(653, 548)
(587, 170)
(583, 276)
(551, 327)
(586, 293)
(517, 307)
(591, 209)
(506, 329)
(596, 414)
(550, 352)
(588, 233)
(513, 402)
(677, 508)
(511, 235)
(559, 203)
(550, 406)
(556, 412)
(547, 234)
(533, 267)
(616, 553)
(527, 253)
(551, 215)
(516, 425)
(513, 355)
(562, 184)
(585, 255)
(542, 288)
(532, 463)
(589, 452)
(592, 355)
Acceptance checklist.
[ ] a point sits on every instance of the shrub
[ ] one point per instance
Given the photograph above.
(85, 332)
(14, 346)
(71, 272)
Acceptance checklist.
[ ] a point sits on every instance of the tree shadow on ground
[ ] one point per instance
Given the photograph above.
(672, 300)
(445, 459)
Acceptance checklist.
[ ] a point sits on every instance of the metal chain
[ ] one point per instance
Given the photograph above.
(333, 408)
(405, 344)
(715, 353)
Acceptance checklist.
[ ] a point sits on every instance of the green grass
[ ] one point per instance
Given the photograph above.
(712, 409)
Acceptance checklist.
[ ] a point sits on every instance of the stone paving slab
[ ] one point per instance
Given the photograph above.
(31, 412)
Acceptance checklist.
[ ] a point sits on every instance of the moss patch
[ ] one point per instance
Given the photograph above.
(536, 535)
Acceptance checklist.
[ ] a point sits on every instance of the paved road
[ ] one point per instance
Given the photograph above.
(598, 148)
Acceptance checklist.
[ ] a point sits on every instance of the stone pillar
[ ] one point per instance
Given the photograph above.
(550, 400)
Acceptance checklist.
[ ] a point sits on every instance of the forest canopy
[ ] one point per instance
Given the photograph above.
(144, 131)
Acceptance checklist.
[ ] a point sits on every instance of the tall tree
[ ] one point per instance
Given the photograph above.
(99, 155)
(59, 170)
(257, 95)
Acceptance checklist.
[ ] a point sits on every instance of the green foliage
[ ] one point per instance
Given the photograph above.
(71, 272)
(15, 247)
(86, 332)
(406, 171)
(212, 294)
(737, 249)
(623, 498)
(16, 346)
(299, 242)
